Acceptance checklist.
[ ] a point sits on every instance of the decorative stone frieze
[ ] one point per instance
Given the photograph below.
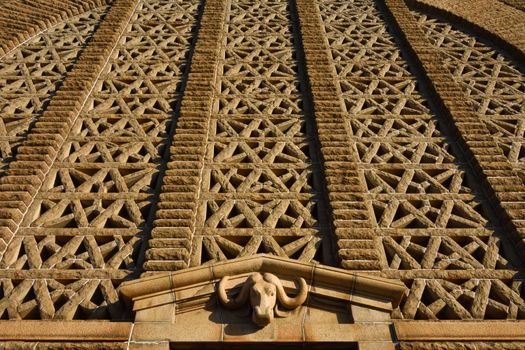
(276, 173)
(324, 303)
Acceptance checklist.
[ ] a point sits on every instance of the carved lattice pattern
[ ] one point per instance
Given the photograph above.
(434, 229)
(261, 186)
(260, 192)
(30, 75)
(85, 231)
(494, 84)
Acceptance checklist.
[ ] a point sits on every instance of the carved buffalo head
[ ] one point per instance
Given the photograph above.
(263, 291)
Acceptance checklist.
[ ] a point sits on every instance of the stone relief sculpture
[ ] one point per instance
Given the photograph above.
(263, 291)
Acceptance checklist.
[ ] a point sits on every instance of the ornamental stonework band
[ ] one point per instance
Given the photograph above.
(226, 174)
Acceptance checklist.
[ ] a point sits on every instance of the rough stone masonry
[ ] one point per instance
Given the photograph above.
(143, 138)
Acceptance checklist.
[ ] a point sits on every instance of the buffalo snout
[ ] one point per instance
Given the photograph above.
(263, 298)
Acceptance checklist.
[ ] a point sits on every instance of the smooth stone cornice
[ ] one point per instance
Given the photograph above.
(314, 274)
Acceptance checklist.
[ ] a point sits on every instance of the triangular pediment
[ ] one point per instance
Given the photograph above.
(301, 301)
(323, 280)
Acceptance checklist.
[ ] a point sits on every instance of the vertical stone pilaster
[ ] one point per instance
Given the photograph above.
(37, 153)
(174, 225)
(518, 4)
(497, 20)
(503, 187)
(351, 219)
(20, 22)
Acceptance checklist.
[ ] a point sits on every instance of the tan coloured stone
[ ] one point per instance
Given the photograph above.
(357, 134)
(149, 346)
(263, 291)
(462, 330)
(29, 330)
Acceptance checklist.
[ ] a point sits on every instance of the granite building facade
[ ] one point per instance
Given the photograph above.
(224, 174)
